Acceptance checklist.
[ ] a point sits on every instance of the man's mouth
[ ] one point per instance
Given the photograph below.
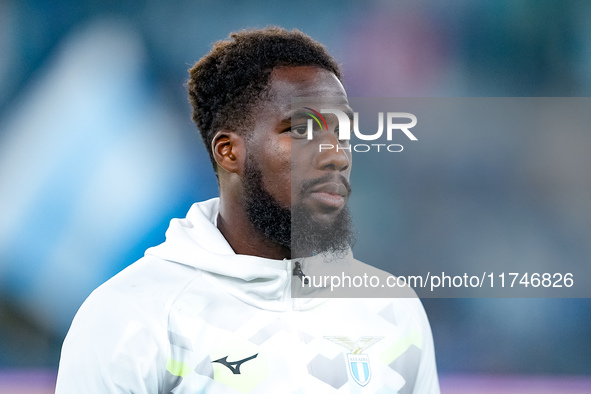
(333, 194)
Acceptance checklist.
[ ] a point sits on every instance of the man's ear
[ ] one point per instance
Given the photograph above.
(228, 150)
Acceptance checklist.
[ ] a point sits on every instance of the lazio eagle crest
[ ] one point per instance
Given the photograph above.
(358, 362)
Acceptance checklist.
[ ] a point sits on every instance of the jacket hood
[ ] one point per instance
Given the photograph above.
(195, 241)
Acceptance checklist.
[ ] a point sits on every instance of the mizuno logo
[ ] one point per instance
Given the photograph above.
(234, 366)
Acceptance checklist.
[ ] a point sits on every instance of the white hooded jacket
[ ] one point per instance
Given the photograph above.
(192, 316)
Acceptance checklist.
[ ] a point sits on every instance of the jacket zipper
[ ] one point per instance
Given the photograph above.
(297, 271)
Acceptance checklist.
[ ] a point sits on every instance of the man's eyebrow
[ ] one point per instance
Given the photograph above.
(294, 115)
(302, 113)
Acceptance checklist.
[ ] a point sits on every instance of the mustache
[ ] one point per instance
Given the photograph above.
(309, 184)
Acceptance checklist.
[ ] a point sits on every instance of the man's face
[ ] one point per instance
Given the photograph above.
(294, 193)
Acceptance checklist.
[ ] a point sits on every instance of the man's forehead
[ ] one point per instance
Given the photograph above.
(303, 81)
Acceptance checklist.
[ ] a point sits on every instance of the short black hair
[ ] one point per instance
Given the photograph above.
(227, 83)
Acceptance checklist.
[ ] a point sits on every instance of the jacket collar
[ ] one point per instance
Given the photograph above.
(195, 241)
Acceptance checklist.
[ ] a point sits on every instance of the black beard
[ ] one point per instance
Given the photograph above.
(296, 228)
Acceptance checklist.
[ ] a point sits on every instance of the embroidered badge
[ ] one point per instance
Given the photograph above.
(358, 363)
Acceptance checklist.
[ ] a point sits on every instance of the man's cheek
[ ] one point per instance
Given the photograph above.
(296, 190)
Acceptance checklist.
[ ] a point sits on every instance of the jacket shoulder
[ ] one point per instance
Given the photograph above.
(121, 330)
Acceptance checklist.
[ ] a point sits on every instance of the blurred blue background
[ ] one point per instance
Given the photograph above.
(98, 152)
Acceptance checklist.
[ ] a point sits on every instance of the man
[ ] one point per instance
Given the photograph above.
(219, 307)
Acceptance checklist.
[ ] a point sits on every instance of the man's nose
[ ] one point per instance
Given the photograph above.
(332, 154)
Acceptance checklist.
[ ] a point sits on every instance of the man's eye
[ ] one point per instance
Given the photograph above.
(299, 131)
(338, 134)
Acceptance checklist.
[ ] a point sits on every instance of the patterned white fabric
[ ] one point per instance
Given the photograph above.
(192, 316)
